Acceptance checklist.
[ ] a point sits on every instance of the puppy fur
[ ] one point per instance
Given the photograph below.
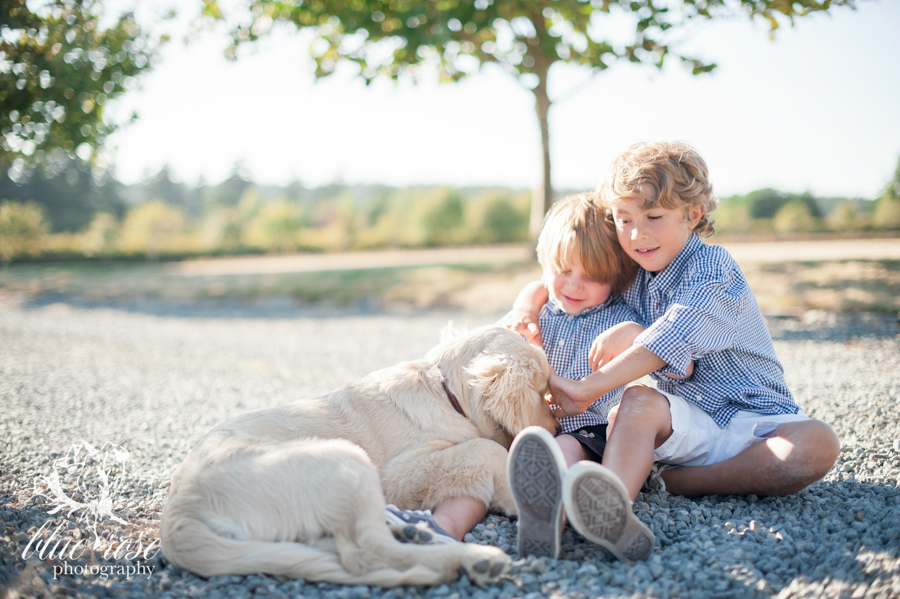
(300, 490)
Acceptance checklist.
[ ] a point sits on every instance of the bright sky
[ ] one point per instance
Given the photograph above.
(816, 110)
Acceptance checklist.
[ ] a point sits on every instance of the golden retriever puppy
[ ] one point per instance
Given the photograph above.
(300, 490)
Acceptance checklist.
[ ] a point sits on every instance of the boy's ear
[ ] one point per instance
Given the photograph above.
(696, 213)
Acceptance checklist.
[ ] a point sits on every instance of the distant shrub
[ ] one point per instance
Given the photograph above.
(443, 218)
(277, 225)
(732, 218)
(846, 217)
(151, 228)
(502, 221)
(886, 215)
(795, 217)
(765, 203)
(223, 230)
(102, 235)
(21, 229)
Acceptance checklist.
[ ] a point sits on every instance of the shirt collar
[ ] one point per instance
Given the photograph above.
(668, 277)
(593, 309)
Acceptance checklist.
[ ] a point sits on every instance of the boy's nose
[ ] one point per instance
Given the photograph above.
(574, 283)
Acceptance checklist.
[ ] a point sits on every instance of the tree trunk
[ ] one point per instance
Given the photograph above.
(542, 197)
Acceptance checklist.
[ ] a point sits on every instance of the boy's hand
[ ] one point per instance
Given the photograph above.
(524, 323)
(566, 395)
(523, 318)
(612, 342)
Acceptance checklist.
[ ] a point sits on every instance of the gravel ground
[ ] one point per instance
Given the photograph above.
(153, 379)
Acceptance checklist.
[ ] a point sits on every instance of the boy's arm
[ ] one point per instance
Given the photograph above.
(703, 316)
(615, 340)
(574, 397)
(523, 318)
(612, 342)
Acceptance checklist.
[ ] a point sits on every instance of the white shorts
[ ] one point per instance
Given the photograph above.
(697, 440)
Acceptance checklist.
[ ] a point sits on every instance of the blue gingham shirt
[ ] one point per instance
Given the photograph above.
(567, 340)
(701, 308)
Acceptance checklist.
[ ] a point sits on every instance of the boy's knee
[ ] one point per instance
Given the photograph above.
(611, 419)
(825, 445)
(817, 446)
(646, 405)
(571, 449)
(639, 399)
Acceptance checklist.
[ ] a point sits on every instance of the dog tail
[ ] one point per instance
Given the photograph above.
(192, 545)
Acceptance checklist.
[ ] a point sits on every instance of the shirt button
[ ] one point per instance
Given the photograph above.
(571, 317)
(562, 343)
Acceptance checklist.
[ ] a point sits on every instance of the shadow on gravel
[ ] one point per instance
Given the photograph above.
(817, 325)
(16, 520)
(831, 539)
(833, 536)
(835, 539)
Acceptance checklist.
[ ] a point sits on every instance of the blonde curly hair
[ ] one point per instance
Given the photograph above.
(675, 173)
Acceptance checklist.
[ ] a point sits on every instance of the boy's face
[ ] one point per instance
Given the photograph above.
(653, 237)
(573, 290)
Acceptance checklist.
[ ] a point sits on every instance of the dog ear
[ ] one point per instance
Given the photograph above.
(509, 387)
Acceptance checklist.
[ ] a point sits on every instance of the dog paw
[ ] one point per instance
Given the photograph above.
(410, 533)
(486, 564)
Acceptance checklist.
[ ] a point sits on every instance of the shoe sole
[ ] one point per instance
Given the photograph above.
(419, 533)
(535, 471)
(598, 507)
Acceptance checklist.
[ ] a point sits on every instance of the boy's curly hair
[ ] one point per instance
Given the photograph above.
(674, 171)
(578, 223)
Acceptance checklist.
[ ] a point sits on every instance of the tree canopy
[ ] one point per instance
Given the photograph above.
(387, 38)
(59, 66)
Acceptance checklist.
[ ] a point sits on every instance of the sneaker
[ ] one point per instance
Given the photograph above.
(535, 470)
(655, 482)
(416, 526)
(598, 507)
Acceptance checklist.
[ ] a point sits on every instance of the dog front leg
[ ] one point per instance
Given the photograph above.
(424, 476)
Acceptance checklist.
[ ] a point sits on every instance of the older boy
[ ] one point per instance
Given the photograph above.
(732, 425)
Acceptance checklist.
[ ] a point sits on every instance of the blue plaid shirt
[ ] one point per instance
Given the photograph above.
(567, 340)
(701, 308)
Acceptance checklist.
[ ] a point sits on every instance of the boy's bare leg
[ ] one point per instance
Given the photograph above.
(643, 423)
(799, 454)
(572, 450)
(598, 498)
(459, 515)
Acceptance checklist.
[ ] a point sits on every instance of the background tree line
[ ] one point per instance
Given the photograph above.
(74, 214)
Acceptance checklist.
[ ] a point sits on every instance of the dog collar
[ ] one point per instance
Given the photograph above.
(453, 401)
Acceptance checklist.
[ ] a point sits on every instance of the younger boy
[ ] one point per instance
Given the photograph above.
(584, 271)
(732, 425)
